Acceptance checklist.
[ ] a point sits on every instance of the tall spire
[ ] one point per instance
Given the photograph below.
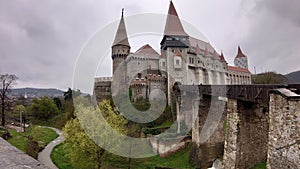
(240, 53)
(173, 25)
(121, 35)
(222, 58)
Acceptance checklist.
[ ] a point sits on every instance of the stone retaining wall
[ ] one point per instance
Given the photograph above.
(284, 133)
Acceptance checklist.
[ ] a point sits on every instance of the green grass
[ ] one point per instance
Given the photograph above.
(260, 166)
(60, 158)
(42, 135)
(178, 160)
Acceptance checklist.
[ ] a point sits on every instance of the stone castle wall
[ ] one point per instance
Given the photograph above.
(102, 88)
(284, 133)
(246, 135)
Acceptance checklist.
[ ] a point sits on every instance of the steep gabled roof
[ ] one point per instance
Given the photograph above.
(173, 24)
(146, 49)
(121, 35)
(240, 53)
(222, 58)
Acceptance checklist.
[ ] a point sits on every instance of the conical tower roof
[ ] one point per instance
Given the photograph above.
(222, 58)
(240, 53)
(121, 35)
(173, 24)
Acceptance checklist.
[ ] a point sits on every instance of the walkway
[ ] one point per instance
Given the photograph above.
(44, 156)
(13, 158)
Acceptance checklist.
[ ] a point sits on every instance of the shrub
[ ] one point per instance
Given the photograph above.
(32, 147)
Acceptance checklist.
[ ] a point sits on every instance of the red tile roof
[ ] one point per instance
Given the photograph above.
(147, 50)
(201, 44)
(222, 58)
(238, 69)
(173, 24)
(216, 56)
(240, 53)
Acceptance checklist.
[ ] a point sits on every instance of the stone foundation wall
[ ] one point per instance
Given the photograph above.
(246, 135)
(205, 151)
(253, 135)
(284, 133)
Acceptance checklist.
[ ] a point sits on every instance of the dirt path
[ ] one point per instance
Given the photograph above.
(44, 156)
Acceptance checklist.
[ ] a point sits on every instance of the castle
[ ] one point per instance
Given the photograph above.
(182, 60)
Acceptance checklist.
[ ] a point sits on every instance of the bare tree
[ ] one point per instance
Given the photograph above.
(6, 83)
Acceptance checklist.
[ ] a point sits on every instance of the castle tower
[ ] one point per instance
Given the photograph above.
(174, 47)
(174, 34)
(241, 59)
(120, 47)
(223, 61)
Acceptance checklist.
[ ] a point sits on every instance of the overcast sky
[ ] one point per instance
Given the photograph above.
(41, 39)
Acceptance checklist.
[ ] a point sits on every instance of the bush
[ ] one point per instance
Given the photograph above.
(4, 133)
(32, 147)
(43, 109)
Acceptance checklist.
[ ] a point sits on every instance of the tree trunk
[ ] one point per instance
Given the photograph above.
(3, 113)
(99, 157)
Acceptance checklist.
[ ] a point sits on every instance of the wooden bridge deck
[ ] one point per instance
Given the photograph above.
(249, 93)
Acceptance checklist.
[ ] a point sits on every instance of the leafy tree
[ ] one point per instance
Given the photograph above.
(68, 94)
(43, 108)
(6, 83)
(82, 145)
(68, 106)
(19, 108)
(269, 78)
(57, 102)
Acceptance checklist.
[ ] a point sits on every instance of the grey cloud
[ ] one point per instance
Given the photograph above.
(271, 35)
(40, 40)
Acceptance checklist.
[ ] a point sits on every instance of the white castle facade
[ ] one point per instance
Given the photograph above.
(182, 59)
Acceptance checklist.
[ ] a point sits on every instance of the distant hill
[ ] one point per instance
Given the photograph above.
(269, 78)
(293, 77)
(35, 92)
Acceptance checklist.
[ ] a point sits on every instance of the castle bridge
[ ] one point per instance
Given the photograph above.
(241, 135)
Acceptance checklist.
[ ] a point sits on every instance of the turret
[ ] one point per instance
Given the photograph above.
(120, 47)
(241, 59)
(174, 34)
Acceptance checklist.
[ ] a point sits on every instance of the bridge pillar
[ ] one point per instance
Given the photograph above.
(230, 147)
(208, 132)
(246, 135)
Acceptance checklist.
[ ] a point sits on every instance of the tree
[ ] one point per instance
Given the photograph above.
(58, 103)
(82, 145)
(68, 106)
(43, 108)
(7, 82)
